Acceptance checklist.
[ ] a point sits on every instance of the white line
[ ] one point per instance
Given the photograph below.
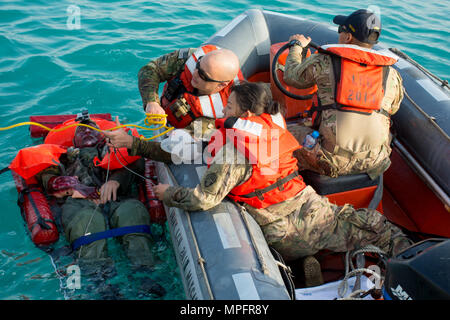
(402, 64)
(231, 25)
(245, 286)
(226, 230)
(432, 89)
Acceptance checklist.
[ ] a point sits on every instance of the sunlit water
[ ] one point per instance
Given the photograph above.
(50, 66)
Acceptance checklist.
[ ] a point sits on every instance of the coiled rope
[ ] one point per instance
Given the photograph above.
(343, 286)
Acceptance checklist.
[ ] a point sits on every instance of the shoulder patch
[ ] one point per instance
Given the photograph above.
(210, 179)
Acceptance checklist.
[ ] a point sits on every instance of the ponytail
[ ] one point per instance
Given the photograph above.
(256, 98)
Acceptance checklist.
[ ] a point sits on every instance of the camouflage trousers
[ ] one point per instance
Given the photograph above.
(338, 163)
(319, 224)
(81, 216)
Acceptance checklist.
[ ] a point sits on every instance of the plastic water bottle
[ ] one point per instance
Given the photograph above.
(311, 140)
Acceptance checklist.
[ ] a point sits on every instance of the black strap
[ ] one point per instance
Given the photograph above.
(229, 122)
(279, 184)
(40, 221)
(175, 87)
(4, 170)
(383, 112)
(386, 70)
(378, 194)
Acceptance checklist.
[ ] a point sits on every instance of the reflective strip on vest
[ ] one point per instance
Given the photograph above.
(278, 120)
(353, 46)
(207, 108)
(218, 105)
(248, 126)
(192, 61)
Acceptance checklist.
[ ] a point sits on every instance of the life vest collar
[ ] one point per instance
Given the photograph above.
(210, 106)
(361, 55)
(258, 138)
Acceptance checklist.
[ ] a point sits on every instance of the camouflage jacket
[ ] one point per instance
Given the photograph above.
(318, 69)
(160, 70)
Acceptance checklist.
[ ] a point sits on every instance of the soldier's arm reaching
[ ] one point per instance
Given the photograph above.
(217, 182)
(160, 70)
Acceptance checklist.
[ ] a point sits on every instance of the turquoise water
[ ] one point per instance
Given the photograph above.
(47, 67)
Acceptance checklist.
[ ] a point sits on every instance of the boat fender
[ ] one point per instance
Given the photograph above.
(148, 197)
(36, 213)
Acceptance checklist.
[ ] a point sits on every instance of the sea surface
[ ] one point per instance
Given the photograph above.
(57, 57)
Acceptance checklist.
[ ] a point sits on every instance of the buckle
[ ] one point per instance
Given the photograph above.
(280, 185)
(259, 194)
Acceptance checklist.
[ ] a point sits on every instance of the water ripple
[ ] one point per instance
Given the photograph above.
(47, 68)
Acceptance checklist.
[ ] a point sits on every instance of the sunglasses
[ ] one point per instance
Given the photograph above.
(202, 74)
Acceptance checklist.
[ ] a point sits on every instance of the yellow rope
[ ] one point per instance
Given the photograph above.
(150, 120)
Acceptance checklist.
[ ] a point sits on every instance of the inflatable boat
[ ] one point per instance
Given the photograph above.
(222, 253)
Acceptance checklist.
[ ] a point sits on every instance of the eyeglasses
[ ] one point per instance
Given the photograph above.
(202, 74)
(342, 29)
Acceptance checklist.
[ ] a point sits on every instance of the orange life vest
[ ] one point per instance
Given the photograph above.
(210, 106)
(113, 160)
(269, 147)
(360, 78)
(32, 160)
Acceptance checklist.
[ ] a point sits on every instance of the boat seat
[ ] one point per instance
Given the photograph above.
(356, 189)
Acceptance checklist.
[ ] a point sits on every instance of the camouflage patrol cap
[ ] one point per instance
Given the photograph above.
(361, 24)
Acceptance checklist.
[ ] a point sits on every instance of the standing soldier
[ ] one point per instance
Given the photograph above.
(358, 91)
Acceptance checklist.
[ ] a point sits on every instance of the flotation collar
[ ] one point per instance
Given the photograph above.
(65, 137)
(115, 159)
(269, 147)
(360, 78)
(210, 106)
(29, 161)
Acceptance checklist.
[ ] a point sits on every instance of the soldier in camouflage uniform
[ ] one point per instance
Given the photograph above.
(343, 151)
(214, 74)
(297, 227)
(85, 212)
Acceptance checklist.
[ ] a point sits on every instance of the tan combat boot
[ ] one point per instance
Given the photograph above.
(313, 273)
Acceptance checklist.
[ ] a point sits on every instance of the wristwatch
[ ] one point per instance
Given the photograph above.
(295, 42)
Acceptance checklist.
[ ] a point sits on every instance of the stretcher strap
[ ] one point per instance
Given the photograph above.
(87, 239)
